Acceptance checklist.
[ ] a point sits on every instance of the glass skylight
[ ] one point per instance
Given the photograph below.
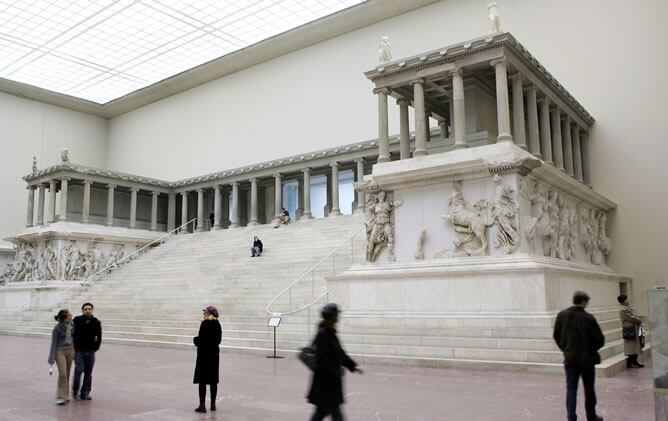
(101, 50)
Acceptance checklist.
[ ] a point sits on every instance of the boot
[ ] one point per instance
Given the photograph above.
(635, 362)
(201, 409)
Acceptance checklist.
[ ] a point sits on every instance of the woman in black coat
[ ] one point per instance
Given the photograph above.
(206, 367)
(327, 386)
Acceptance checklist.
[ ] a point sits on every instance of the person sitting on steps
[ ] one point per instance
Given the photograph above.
(256, 248)
(283, 218)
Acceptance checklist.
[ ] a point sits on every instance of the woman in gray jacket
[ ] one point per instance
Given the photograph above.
(62, 353)
(630, 327)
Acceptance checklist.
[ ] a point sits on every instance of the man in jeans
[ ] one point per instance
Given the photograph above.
(578, 335)
(87, 338)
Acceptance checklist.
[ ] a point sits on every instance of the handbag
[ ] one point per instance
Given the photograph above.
(629, 332)
(641, 337)
(308, 356)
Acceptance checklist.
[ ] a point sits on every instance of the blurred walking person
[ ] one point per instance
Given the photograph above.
(326, 391)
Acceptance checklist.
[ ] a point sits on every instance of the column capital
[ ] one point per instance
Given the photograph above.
(442, 123)
(252, 180)
(403, 101)
(517, 76)
(497, 61)
(31, 187)
(386, 91)
(155, 193)
(87, 181)
(111, 186)
(334, 164)
(417, 81)
(184, 193)
(65, 178)
(362, 160)
(457, 71)
(277, 175)
(217, 187)
(306, 170)
(543, 100)
(200, 190)
(234, 183)
(134, 189)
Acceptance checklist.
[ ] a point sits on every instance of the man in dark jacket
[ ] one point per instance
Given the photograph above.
(327, 386)
(578, 335)
(87, 339)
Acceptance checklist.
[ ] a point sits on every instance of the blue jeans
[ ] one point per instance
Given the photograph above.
(83, 364)
(573, 374)
(255, 251)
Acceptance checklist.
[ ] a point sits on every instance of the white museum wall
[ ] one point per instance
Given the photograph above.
(318, 97)
(30, 128)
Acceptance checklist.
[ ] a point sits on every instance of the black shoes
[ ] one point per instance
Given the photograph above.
(200, 409)
(213, 406)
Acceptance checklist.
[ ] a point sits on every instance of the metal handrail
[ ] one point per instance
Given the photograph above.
(104, 270)
(303, 275)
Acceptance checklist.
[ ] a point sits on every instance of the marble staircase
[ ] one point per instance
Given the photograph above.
(156, 300)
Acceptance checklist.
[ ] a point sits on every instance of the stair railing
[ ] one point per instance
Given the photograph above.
(35, 302)
(327, 266)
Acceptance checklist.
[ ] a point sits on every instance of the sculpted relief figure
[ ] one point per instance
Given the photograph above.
(506, 217)
(604, 243)
(384, 54)
(470, 224)
(51, 262)
(379, 227)
(70, 261)
(593, 235)
(419, 254)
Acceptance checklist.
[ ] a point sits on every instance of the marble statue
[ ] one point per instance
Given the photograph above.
(64, 155)
(551, 236)
(26, 264)
(419, 254)
(494, 18)
(505, 212)
(379, 227)
(70, 261)
(34, 164)
(470, 224)
(90, 261)
(384, 54)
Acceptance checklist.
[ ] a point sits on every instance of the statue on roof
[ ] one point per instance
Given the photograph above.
(64, 155)
(384, 54)
(494, 18)
(34, 164)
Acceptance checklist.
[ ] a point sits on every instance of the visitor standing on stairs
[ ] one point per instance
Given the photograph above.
(256, 248)
(207, 364)
(579, 336)
(630, 332)
(62, 354)
(326, 391)
(87, 339)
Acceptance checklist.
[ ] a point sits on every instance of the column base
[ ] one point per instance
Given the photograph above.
(504, 137)
(462, 145)
(306, 216)
(334, 212)
(252, 224)
(525, 147)
(216, 227)
(419, 152)
(382, 159)
(235, 226)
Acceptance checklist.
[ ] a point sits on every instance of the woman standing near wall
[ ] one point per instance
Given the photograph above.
(630, 332)
(62, 354)
(206, 367)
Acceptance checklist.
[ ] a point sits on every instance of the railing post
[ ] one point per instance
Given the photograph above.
(290, 302)
(308, 322)
(313, 282)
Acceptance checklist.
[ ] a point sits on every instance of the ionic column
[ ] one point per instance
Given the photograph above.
(31, 206)
(51, 212)
(557, 150)
(502, 107)
(63, 199)
(216, 207)
(568, 144)
(404, 136)
(154, 210)
(253, 200)
(532, 111)
(307, 194)
(383, 128)
(110, 204)
(584, 146)
(519, 132)
(40, 204)
(85, 208)
(577, 152)
(133, 207)
(171, 211)
(443, 125)
(458, 108)
(360, 178)
(336, 211)
(278, 197)
(420, 123)
(545, 131)
(184, 211)
(200, 210)
(427, 129)
(235, 205)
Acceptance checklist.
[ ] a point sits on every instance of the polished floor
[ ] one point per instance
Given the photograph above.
(149, 384)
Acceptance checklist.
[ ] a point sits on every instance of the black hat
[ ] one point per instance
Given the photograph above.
(330, 311)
